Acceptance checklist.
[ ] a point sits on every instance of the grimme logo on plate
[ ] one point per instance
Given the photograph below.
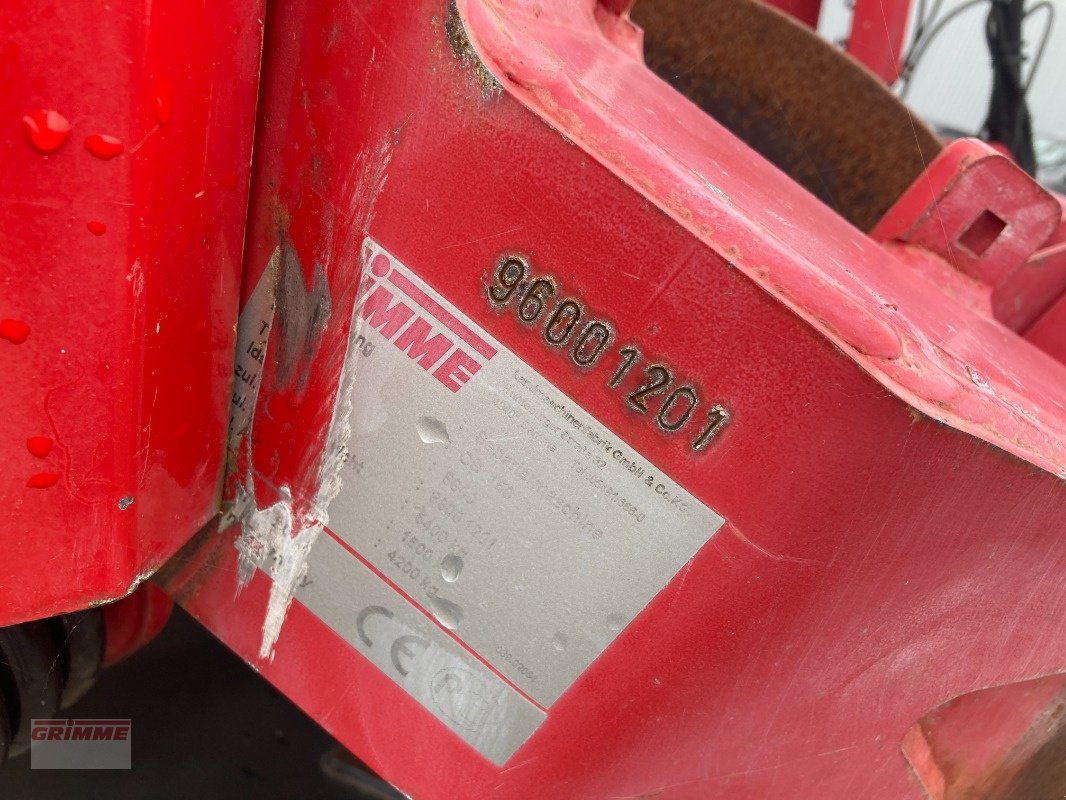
(80, 744)
(395, 302)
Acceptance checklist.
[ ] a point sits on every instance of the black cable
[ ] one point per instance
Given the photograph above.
(1043, 5)
(1008, 119)
(931, 28)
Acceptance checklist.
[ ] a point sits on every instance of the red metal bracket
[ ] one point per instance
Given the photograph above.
(877, 31)
(980, 212)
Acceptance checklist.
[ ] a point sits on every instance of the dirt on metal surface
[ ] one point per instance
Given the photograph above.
(802, 103)
(460, 45)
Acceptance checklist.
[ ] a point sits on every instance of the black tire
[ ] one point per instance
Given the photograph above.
(5, 730)
(79, 638)
(30, 678)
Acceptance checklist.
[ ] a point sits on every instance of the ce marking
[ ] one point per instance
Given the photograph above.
(404, 648)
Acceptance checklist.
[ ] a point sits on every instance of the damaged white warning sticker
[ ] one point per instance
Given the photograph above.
(503, 508)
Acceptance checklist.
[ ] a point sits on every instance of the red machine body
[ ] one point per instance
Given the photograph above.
(868, 430)
(890, 476)
(126, 149)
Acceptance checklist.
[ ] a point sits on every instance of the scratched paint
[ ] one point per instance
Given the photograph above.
(276, 538)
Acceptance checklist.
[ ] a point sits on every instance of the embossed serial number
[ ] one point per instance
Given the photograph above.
(565, 324)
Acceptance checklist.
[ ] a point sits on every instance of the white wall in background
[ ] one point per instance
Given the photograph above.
(951, 85)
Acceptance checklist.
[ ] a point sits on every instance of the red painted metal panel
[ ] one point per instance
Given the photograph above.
(877, 33)
(1049, 332)
(999, 743)
(799, 251)
(891, 478)
(123, 214)
(134, 620)
(806, 11)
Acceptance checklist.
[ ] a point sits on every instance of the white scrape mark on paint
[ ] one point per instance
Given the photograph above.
(273, 539)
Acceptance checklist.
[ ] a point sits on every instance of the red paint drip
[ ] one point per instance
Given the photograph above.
(103, 146)
(14, 330)
(43, 480)
(47, 130)
(39, 446)
(163, 105)
(96, 227)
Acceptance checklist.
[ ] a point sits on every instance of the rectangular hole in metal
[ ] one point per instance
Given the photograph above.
(981, 233)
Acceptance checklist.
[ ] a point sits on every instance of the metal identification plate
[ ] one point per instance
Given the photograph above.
(503, 508)
(435, 670)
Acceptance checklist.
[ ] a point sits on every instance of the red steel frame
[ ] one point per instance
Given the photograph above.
(120, 268)
(123, 239)
(878, 28)
(877, 34)
(892, 477)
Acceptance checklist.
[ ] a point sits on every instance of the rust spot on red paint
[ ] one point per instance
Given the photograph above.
(103, 146)
(40, 446)
(14, 330)
(47, 130)
(96, 227)
(43, 480)
(163, 105)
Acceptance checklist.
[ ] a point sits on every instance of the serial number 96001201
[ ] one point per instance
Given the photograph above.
(564, 324)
